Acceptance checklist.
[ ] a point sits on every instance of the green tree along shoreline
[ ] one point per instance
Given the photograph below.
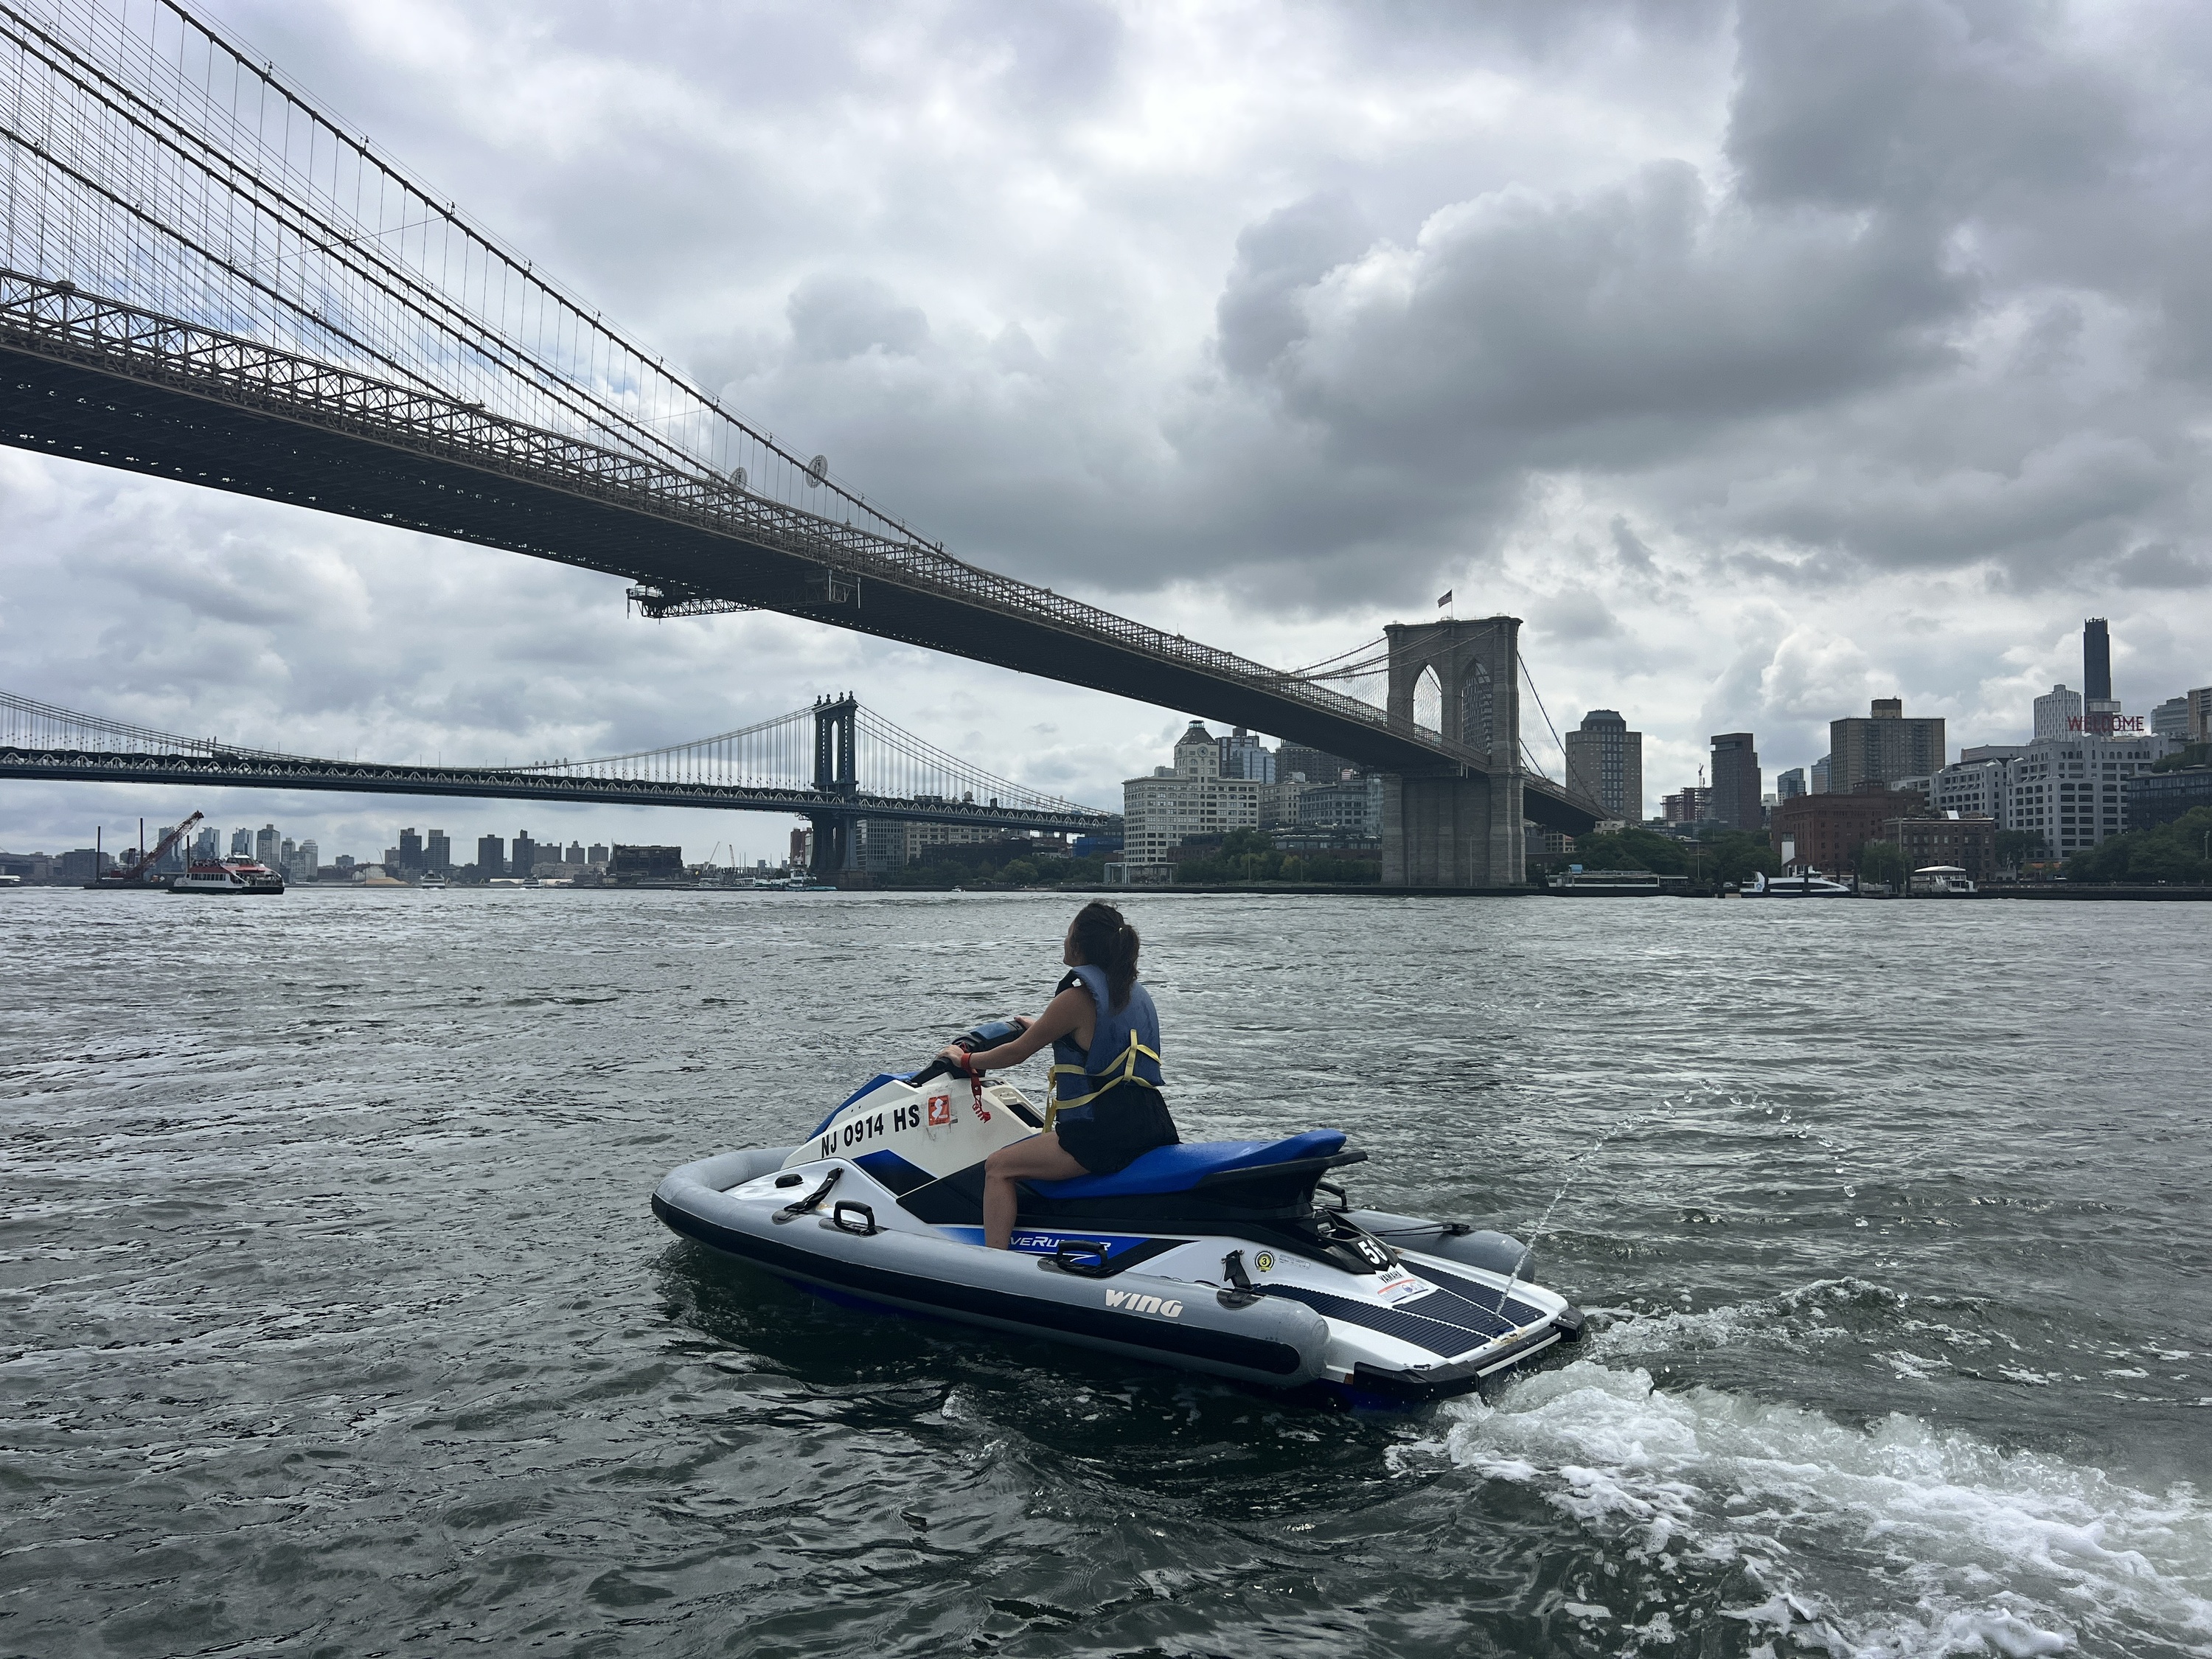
(1721, 855)
(2170, 851)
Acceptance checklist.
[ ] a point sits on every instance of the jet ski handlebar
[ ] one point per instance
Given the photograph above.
(988, 1034)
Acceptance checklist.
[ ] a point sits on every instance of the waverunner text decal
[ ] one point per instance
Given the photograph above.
(867, 1128)
(1151, 1304)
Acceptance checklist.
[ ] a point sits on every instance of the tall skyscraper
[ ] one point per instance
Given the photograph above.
(439, 852)
(1820, 775)
(1882, 746)
(241, 843)
(208, 843)
(310, 861)
(1736, 786)
(1605, 761)
(2096, 660)
(410, 849)
(264, 846)
(1788, 786)
(524, 856)
(491, 856)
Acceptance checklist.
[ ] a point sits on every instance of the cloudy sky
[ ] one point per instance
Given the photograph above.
(1765, 358)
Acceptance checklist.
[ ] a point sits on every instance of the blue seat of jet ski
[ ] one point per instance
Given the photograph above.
(1179, 1167)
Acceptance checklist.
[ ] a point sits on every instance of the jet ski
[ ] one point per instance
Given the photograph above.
(1242, 1258)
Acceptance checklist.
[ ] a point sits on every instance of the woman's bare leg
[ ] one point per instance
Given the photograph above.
(1041, 1157)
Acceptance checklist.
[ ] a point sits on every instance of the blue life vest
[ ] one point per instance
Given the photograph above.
(1124, 1048)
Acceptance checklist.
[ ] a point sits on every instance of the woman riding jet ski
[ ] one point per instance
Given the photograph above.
(935, 1192)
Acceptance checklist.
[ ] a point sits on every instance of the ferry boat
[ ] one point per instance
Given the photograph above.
(1811, 884)
(228, 876)
(1606, 883)
(432, 878)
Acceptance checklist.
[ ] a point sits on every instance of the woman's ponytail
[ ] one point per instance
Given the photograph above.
(1106, 941)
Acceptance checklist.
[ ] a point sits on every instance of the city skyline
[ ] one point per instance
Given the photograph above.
(666, 826)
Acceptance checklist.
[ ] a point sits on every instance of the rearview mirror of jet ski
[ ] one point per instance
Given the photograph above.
(1217, 1256)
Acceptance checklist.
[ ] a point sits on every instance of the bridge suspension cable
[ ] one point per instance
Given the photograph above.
(150, 161)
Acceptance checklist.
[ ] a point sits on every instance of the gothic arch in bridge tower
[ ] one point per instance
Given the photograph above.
(1429, 701)
(1457, 827)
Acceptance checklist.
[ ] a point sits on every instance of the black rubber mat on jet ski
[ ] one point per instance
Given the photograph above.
(1442, 1321)
(1480, 1296)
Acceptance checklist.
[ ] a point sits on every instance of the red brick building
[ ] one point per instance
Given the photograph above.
(1826, 831)
(1970, 844)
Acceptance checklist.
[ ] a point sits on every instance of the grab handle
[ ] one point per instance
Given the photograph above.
(800, 1207)
(867, 1228)
(1083, 1258)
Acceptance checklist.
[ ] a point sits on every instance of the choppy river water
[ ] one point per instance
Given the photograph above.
(336, 1323)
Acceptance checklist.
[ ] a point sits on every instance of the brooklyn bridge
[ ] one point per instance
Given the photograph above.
(205, 279)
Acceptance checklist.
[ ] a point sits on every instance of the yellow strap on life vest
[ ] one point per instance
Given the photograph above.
(1124, 1071)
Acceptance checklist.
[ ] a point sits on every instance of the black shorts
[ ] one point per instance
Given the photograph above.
(1116, 1129)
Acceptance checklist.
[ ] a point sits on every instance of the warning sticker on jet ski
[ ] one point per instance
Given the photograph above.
(1401, 1286)
(940, 1110)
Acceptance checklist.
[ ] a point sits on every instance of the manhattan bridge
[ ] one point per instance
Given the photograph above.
(203, 278)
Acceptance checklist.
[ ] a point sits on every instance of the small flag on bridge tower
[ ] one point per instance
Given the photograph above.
(1445, 600)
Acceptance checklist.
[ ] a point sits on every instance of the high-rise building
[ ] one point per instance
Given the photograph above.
(491, 856)
(1883, 745)
(1788, 786)
(2170, 720)
(2200, 713)
(2058, 713)
(1605, 761)
(575, 853)
(2071, 789)
(1736, 786)
(1191, 798)
(598, 855)
(2096, 660)
(208, 843)
(311, 865)
(1820, 775)
(1243, 756)
(241, 843)
(524, 857)
(409, 851)
(264, 845)
(439, 851)
(1694, 805)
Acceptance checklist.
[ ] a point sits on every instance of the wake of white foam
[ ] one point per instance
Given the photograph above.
(1899, 1539)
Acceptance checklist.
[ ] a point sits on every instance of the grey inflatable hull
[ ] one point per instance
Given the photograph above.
(1277, 1343)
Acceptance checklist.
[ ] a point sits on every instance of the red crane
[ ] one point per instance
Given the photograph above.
(148, 861)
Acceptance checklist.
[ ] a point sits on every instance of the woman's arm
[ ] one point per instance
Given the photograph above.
(1061, 1016)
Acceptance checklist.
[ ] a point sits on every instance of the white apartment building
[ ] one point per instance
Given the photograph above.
(1191, 798)
(1972, 788)
(2067, 789)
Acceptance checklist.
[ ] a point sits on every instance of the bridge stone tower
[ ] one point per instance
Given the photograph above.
(836, 772)
(1453, 828)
